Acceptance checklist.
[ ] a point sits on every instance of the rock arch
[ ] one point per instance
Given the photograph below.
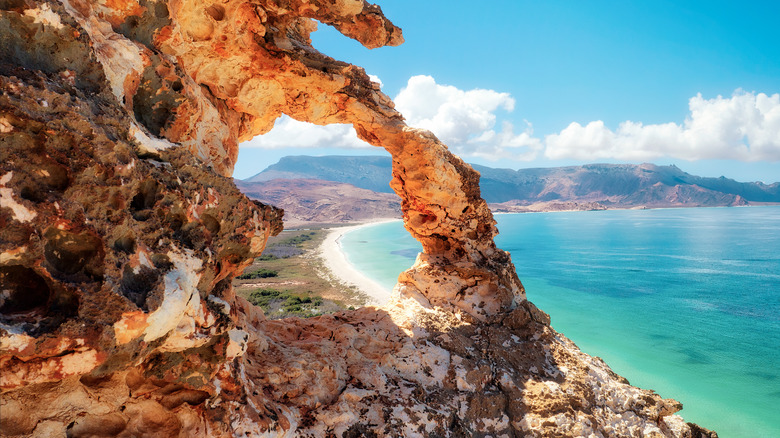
(119, 124)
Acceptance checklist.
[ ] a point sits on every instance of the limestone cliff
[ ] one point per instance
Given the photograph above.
(119, 123)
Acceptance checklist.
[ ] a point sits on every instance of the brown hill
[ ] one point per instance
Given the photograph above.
(587, 187)
(319, 201)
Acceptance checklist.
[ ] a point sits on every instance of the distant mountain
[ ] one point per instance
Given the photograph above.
(368, 172)
(612, 185)
(317, 201)
(620, 185)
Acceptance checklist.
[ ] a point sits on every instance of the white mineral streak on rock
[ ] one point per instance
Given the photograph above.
(461, 381)
(225, 305)
(209, 129)
(44, 15)
(148, 143)
(180, 300)
(12, 255)
(21, 213)
(143, 259)
(120, 57)
(78, 363)
(237, 343)
(14, 340)
(82, 361)
(182, 313)
(427, 366)
(189, 332)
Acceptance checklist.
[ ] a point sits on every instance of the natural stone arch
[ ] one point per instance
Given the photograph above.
(119, 122)
(460, 268)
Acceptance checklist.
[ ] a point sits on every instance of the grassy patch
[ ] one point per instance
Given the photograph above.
(278, 303)
(303, 287)
(258, 273)
(298, 239)
(294, 244)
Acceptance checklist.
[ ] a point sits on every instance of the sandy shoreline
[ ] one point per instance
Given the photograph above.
(336, 262)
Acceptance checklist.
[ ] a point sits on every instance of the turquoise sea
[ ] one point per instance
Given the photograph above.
(683, 301)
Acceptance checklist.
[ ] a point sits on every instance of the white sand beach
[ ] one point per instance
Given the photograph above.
(336, 262)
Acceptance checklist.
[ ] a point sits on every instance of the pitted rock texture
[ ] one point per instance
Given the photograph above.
(121, 233)
(107, 256)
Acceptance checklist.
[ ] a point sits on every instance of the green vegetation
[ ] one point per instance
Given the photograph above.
(289, 279)
(291, 246)
(298, 239)
(259, 273)
(286, 303)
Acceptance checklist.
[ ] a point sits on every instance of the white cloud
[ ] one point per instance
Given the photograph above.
(466, 120)
(453, 115)
(290, 133)
(744, 127)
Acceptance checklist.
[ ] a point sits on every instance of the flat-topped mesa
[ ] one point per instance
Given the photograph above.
(120, 234)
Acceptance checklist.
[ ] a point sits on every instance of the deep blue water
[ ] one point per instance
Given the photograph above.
(682, 301)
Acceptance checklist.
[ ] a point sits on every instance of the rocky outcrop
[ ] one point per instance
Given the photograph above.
(119, 123)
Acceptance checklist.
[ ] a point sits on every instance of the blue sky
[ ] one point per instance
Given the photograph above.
(546, 83)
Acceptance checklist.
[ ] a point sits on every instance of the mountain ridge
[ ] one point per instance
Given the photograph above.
(589, 186)
(307, 201)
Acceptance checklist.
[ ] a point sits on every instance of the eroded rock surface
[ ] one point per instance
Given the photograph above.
(121, 233)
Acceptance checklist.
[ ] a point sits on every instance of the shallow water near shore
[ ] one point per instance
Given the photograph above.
(682, 301)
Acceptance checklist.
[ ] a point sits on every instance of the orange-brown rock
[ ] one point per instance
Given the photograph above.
(121, 233)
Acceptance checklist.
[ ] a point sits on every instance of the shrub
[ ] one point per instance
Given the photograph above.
(263, 297)
(260, 273)
(297, 240)
(287, 302)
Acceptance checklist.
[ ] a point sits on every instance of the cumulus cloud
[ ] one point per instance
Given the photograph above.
(466, 120)
(291, 133)
(474, 123)
(744, 127)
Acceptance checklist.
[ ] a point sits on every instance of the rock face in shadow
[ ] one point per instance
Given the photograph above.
(121, 233)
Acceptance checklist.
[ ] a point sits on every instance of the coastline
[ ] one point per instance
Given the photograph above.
(335, 261)
(696, 373)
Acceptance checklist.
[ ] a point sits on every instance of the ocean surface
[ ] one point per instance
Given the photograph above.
(682, 301)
